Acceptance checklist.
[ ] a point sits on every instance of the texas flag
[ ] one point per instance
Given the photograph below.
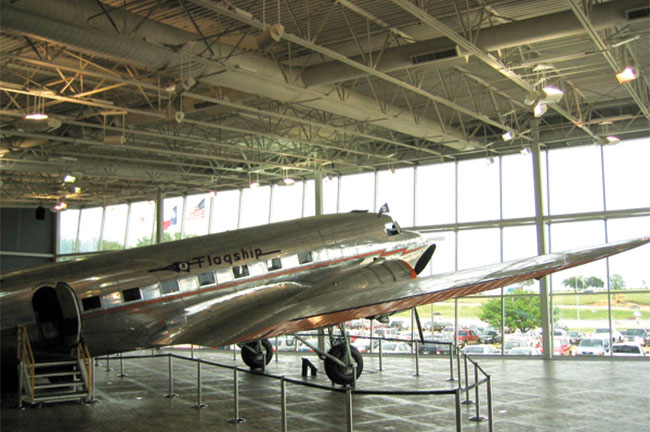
(169, 222)
(384, 209)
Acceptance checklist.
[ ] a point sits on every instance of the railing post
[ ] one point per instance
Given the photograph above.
(199, 403)
(283, 401)
(380, 356)
(20, 383)
(417, 359)
(171, 393)
(451, 364)
(458, 411)
(467, 399)
(91, 364)
(348, 410)
(477, 417)
(108, 364)
(489, 403)
(122, 374)
(234, 351)
(236, 419)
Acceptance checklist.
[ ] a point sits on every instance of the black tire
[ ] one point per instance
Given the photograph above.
(255, 359)
(337, 373)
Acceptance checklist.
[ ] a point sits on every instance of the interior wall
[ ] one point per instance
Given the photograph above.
(22, 234)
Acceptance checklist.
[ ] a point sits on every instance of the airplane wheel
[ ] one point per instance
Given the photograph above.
(337, 373)
(255, 359)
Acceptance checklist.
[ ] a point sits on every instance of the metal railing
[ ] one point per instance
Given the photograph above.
(348, 391)
(27, 365)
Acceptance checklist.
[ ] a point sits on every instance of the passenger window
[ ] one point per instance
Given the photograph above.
(240, 271)
(305, 257)
(206, 279)
(150, 292)
(169, 286)
(189, 284)
(113, 299)
(91, 303)
(274, 264)
(131, 294)
(224, 276)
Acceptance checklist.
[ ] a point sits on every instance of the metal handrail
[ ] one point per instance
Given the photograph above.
(83, 356)
(26, 357)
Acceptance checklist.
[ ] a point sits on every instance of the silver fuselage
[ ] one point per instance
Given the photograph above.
(211, 290)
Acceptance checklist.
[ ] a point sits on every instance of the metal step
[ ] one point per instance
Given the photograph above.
(57, 374)
(58, 385)
(56, 363)
(60, 397)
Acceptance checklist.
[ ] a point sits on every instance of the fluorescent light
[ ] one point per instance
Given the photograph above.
(288, 181)
(507, 136)
(552, 94)
(69, 179)
(539, 110)
(36, 116)
(612, 139)
(60, 206)
(627, 74)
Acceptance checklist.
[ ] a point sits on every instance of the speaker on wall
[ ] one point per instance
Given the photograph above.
(40, 213)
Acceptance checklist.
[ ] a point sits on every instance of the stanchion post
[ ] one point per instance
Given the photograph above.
(92, 399)
(451, 364)
(477, 417)
(283, 396)
(489, 403)
(417, 359)
(458, 411)
(457, 350)
(348, 409)
(276, 349)
(108, 366)
(467, 399)
(122, 374)
(236, 419)
(191, 350)
(199, 403)
(234, 352)
(171, 393)
(380, 356)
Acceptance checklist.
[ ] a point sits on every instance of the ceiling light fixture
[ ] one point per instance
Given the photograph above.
(69, 179)
(489, 160)
(38, 112)
(508, 136)
(525, 151)
(539, 110)
(612, 139)
(626, 75)
(551, 95)
(60, 206)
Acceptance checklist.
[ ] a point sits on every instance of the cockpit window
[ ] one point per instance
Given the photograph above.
(392, 228)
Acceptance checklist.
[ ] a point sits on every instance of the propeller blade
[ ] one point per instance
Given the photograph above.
(417, 321)
(424, 259)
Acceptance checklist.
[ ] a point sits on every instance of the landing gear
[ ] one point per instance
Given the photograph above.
(338, 373)
(257, 354)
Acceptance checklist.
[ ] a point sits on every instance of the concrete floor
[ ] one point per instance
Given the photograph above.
(531, 395)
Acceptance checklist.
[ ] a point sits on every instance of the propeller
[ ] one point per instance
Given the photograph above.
(424, 259)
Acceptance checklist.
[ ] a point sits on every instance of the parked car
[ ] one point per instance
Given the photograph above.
(439, 343)
(467, 337)
(636, 335)
(627, 349)
(396, 348)
(593, 346)
(490, 336)
(604, 333)
(514, 343)
(524, 351)
(480, 349)
(561, 346)
(575, 337)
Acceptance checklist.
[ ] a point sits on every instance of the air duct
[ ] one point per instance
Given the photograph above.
(158, 46)
(532, 30)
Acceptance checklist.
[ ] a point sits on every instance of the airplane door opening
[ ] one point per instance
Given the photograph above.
(57, 317)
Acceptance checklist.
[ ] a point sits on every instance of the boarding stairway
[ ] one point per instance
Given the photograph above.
(47, 379)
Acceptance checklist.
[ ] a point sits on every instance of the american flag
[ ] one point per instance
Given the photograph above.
(198, 212)
(384, 209)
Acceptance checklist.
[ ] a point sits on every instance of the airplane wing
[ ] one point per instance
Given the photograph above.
(359, 294)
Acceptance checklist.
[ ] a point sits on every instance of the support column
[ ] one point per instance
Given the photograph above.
(318, 200)
(541, 249)
(159, 217)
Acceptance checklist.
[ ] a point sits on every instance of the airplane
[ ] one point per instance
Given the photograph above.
(248, 285)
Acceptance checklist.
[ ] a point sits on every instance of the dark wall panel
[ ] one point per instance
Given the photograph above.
(21, 231)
